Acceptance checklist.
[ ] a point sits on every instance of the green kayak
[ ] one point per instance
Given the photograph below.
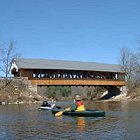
(85, 113)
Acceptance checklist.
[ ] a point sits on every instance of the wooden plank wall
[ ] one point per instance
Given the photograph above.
(78, 82)
(72, 81)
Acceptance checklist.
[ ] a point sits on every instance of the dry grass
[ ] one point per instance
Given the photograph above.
(17, 90)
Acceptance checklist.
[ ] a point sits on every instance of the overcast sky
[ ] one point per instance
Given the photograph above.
(81, 30)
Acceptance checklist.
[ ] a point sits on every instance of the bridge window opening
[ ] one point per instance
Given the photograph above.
(33, 75)
(58, 74)
(116, 76)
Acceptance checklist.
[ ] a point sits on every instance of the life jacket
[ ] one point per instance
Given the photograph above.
(80, 106)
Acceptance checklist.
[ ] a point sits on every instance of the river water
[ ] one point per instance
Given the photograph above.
(26, 122)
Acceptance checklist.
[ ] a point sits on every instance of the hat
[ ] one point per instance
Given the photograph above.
(77, 97)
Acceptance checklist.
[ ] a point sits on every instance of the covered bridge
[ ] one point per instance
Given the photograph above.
(61, 72)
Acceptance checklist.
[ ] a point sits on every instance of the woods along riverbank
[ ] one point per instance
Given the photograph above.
(19, 91)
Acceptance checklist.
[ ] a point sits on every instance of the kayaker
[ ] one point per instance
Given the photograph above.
(78, 104)
(45, 103)
(76, 107)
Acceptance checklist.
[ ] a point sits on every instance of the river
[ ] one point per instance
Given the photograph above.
(26, 122)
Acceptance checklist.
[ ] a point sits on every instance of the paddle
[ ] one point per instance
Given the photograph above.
(60, 113)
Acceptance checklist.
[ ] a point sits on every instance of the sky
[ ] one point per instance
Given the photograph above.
(77, 30)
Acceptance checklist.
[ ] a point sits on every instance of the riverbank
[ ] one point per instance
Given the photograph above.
(18, 91)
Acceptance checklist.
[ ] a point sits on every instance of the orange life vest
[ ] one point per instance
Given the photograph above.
(80, 106)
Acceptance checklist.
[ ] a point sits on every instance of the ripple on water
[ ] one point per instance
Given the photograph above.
(26, 123)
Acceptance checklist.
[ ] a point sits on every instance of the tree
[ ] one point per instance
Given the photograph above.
(130, 65)
(7, 53)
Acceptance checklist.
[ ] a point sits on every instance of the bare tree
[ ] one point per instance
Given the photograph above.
(138, 72)
(7, 53)
(130, 65)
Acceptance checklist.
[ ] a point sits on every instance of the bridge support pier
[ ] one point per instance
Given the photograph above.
(112, 91)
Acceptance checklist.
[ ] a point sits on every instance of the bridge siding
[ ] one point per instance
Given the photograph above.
(76, 82)
(71, 82)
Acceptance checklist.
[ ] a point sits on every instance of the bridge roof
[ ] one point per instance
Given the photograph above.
(29, 63)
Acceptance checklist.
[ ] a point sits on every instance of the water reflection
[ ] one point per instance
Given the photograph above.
(110, 105)
(81, 123)
(26, 122)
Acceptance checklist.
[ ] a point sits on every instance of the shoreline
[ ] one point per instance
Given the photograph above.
(124, 99)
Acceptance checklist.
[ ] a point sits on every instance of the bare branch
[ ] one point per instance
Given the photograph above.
(7, 53)
(130, 65)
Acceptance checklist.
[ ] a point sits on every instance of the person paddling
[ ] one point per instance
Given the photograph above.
(45, 103)
(78, 104)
